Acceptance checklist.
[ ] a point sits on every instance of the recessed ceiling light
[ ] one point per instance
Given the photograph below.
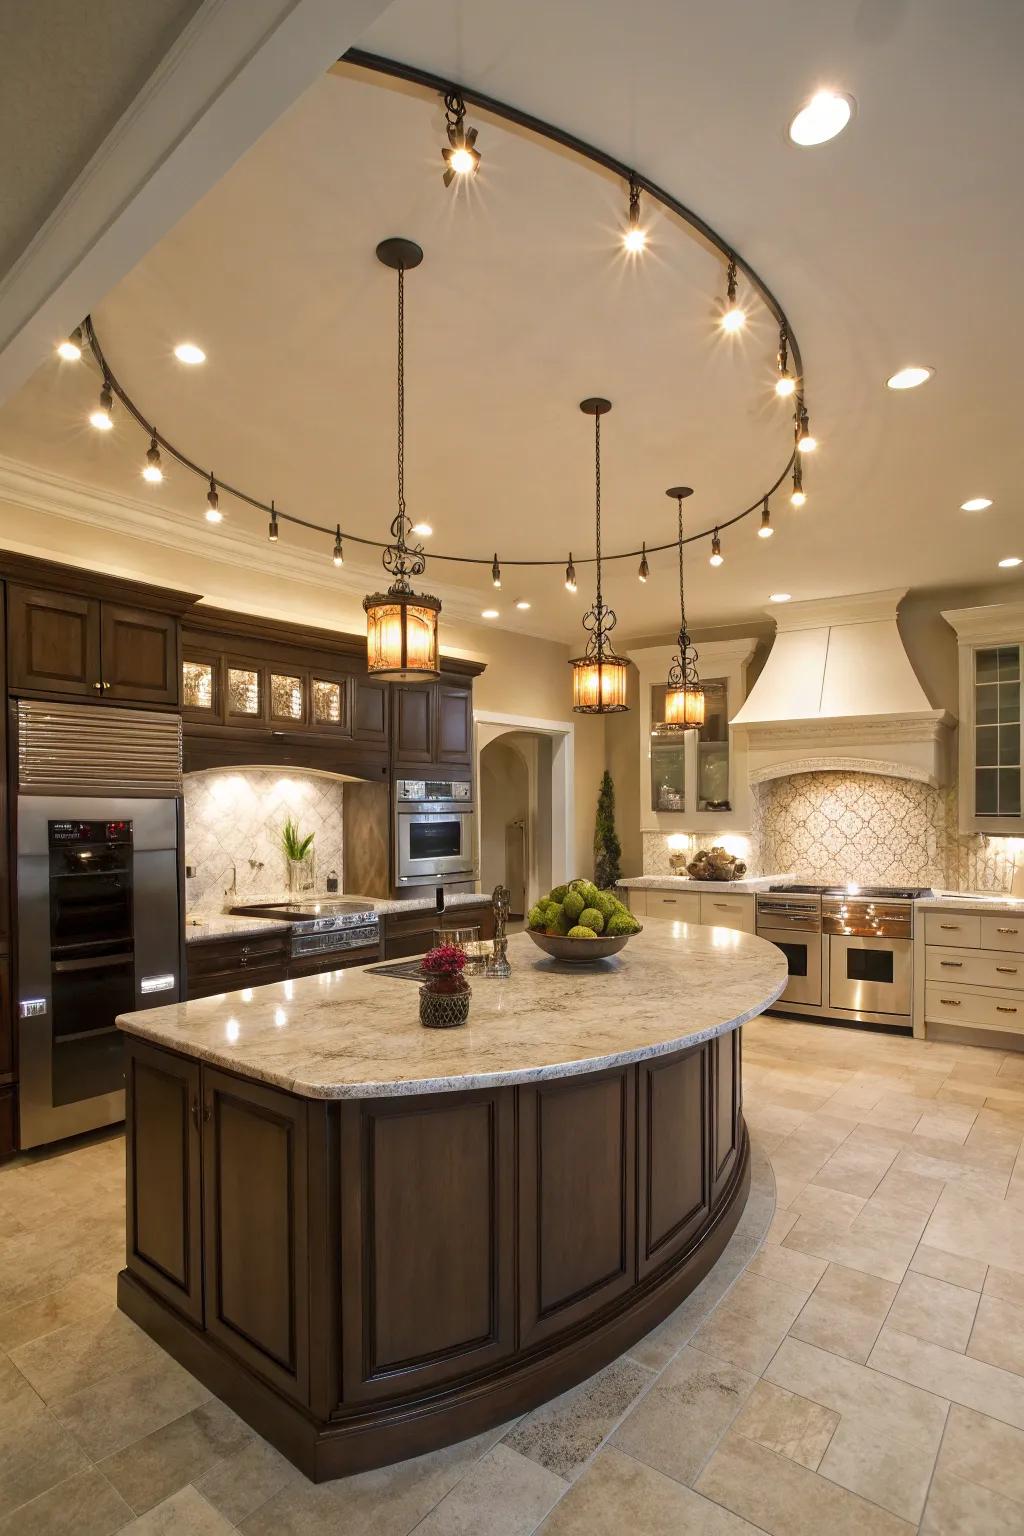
(1009, 561)
(910, 377)
(976, 504)
(522, 605)
(780, 597)
(188, 352)
(826, 114)
(489, 613)
(422, 530)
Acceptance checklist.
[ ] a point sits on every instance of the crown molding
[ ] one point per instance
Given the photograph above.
(52, 495)
(822, 612)
(992, 623)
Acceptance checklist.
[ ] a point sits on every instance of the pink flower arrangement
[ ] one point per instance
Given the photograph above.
(445, 960)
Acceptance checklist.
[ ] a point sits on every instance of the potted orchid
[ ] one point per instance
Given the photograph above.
(445, 995)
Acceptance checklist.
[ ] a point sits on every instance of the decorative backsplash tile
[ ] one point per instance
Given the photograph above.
(832, 827)
(233, 821)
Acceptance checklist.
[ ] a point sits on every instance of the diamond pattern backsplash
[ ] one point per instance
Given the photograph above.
(233, 823)
(838, 826)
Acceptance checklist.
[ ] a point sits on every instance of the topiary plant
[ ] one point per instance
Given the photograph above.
(607, 848)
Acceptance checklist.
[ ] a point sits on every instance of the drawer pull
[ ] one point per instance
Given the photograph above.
(1007, 930)
(1001, 1009)
(949, 927)
(954, 964)
(950, 1002)
(1007, 970)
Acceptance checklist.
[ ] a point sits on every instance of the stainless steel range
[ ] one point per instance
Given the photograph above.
(323, 927)
(849, 950)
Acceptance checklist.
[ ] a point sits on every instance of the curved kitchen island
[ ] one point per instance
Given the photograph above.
(372, 1239)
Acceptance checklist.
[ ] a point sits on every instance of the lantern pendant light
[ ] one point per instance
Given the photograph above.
(684, 695)
(401, 625)
(599, 676)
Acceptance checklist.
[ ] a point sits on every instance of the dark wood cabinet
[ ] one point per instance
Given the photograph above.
(138, 655)
(370, 712)
(8, 1141)
(726, 1102)
(62, 643)
(454, 724)
(6, 1018)
(412, 933)
(255, 1227)
(427, 1240)
(224, 965)
(576, 1199)
(164, 1178)
(414, 722)
(53, 642)
(674, 1176)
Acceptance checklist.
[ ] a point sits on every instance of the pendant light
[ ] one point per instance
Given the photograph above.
(599, 676)
(401, 625)
(684, 695)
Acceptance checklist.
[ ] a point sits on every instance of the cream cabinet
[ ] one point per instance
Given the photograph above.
(990, 641)
(683, 906)
(969, 970)
(719, 909)
(722, 910)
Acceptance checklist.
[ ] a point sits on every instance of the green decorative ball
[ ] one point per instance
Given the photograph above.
(622, 922)
(559, 893)
(579, 932)
(573, 905)
(590, 917)
(536, 916)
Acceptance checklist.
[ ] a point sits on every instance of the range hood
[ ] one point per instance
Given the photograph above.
(838, 692)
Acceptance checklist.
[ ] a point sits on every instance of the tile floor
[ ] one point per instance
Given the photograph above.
(853, 1364)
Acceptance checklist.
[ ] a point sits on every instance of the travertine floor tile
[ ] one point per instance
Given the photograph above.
(86, 1296)
(239, 1484)
(562, 1435)
(35, 1453)
(747, 1327)
(959, 1508)
(934, 1309)
(875, 1253)
(1006, 1284)
(998, 1334)
(969, 1274)
(82, 1505)
(789, 1425)
(798, 1271)
(121, 1409)
(617, 1494)
(80, 1354)
(845, 1312)
(855, 1169)
(786, 1499)
(977, 1227)
(869, 1460)
(984, 1451)
(504, 1494)
(185, 1513)
(682, 1418)
(972, 1383)
(151, 1469)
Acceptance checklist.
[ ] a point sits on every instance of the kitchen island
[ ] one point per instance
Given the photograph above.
(372, 1239)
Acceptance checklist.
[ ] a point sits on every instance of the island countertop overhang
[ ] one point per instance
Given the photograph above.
(350, 1034)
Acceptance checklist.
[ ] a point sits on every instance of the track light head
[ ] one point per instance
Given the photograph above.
(766, 530)
(213, 512)
(101, 418)
(716, 557)
(733, 316)
(799, 496)
(495, 572)
(70, 349)
(339, 553)
(460, 155)
(645, 569)
(272, 530)
(153, 471)
(634, 238)
(570, 575)
(804, 439)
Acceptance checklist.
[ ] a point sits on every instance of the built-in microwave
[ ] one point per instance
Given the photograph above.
(435, 832)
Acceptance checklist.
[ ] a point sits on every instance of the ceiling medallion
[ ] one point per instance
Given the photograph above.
(401, 625)
(684, 694)
(599, 676)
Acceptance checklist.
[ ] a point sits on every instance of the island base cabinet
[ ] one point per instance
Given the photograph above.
(365, 1280)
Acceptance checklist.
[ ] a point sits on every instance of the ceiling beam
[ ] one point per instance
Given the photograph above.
(235, 68)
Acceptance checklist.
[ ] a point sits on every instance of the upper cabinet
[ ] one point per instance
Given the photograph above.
(694, 780)
(454, 724)
(59, 642)
(224, 688)
(991, 658)
(433, 724)
(414, 722)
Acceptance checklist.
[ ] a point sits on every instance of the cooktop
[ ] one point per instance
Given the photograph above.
(871, 892)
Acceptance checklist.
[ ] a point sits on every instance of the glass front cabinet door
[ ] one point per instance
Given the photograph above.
(991, 778)
(230, 690)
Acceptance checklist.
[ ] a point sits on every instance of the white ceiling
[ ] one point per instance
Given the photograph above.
(890, 245)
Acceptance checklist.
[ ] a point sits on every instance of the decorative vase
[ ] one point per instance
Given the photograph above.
(443, 1005)
(300, 874)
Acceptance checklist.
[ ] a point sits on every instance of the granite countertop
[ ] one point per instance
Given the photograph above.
(688, 883)
(372, 903)
(982, 901)
(200, 929)
(350, 1034)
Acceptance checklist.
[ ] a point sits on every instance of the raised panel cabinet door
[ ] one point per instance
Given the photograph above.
(577, 1199)
(726, 1103)
(414, 723)
(370, 712)
(428, 1269)
(164, 1181)
(6, 1021)
(454, 725)
(53, 642)
(675, 1154)
(139, 655)
(256, 1248)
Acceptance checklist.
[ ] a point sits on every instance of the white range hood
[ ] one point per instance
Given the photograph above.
(838, 692)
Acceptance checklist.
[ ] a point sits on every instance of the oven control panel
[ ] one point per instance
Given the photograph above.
(89, 832)
(422, 790)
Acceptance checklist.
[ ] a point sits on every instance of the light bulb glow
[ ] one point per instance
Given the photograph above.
(461, 162)
(522, 605)
(798, 498)
(70, 349)
(422, 530)
(214, 515)
(634, 240)
(733, 319)
(1010, 561)
(188, 352)
(153, 473)
(780, 597)
(765, 531)
(825, 115)
(716, 557)
(489, 613)
(100, 419)
(785, 385)
(911, 377)
(976, 504)
(807, 443)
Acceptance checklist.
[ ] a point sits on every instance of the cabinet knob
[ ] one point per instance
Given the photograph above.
(98, 686)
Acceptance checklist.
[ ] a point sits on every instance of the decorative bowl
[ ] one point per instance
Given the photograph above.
(580, 951)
